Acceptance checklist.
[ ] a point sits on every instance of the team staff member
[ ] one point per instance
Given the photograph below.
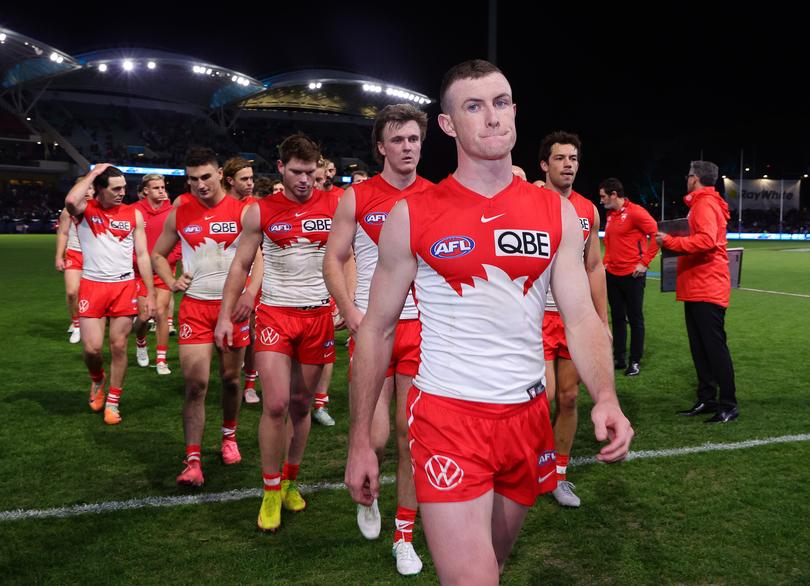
(704, 285)
(630, 247)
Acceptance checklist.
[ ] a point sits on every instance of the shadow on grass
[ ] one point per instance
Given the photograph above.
(54, 402)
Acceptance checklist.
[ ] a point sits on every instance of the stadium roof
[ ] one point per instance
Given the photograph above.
(327, 90)
(24, 60)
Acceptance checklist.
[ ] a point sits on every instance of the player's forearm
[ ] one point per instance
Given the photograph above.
(234, 284)
(61, 245)
(596, 280)
(76, 196)
(161, 266)
(371, 356)
(145, 269)
(590, 350)
(334, 275)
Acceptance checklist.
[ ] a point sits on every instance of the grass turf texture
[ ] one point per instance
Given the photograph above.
(712, 518)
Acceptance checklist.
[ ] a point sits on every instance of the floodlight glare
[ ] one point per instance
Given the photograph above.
(54, 56)
(2, 37)
(102, 68)
(128, 65)
(151, 65)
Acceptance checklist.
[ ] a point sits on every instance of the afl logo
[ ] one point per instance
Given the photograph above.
(192, 229)
(452, 247)
(375, 218)
(280, 227)
(443, 473)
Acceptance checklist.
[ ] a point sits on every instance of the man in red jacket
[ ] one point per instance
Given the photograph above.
(629, 248)
(704, 285)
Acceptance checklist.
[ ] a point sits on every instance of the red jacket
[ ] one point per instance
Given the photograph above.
(626, 243)
(703, 270)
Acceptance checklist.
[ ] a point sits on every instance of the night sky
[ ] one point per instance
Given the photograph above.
(647, 89)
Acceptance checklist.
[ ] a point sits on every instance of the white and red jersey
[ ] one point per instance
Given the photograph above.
(209, 237)
(374, 199)
(585, 212)
(107, 241)
(483, 267)
(73, 238)
(295, 237)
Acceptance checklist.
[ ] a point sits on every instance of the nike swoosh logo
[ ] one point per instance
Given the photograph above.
(328, 354)
(484, 219)
(246, 338)
(209, 217)
(543, 478)
(299, 214)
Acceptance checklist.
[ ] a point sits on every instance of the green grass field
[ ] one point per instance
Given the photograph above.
(716, 517)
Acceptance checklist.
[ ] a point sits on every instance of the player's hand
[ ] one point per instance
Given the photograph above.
(609, 423)
(151, 305)
(60, 265)
(99, 169)
(182, 283)
(659, 238)
(362, 476)
(639, 271)
(244, 307)
(353, 320)
(223, 334)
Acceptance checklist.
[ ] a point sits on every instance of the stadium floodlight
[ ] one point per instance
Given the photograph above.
(764, 176)
(2, 37)
(748, 168)
(208, 71)
(128, 65)
(29, 120)
(102, 67)
(54, 56)
(805, 175)
(151, 65)
(56, 144)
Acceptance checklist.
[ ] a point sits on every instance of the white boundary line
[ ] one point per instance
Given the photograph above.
(237, 495)
(775, 292)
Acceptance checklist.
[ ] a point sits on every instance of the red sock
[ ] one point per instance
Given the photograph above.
(272, 481)
(192, 453)
(170, 321)
(140, 342)
(321, 399)
(250, 378)
(229, 430)
(404, 521)
(290, 471)
(97, 377)
(562, 466)
(113, 396)
(75, 321)
(161, 353)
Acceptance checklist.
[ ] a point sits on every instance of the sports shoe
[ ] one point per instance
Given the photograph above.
(632, 369)
(162, 368)
(368, 520)
(230, 453)
(97, 395)
(71, 327)
(321, 415)
(75, 336)
(192, 474)
(251, 396)
(565, 495)
(152, 325)
(291, 497)
(111, 415)
(172, 329)
(142, 354)
(270, 512)
(408, 563)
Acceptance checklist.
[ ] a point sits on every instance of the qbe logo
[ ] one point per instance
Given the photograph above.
(443, 473)
(586, 224)
(192, 229)
(522, 243)
(268, 336)
(280, 227)
(375, 218)
(319, 225)
(120, 225)
(223, 228)
(452, 247)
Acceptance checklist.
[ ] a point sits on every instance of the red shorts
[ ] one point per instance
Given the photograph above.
(73, 260)
(462, 449)
(198, 319)
(97, 299)
(307, 335)
(554, 343)
(156, 280)
(405, 353)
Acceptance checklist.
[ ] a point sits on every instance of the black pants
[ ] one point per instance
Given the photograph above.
(705, 325)
(626, 299)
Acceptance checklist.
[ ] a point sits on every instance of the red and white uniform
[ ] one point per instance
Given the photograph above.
(73, 253)
(153, 220)
(374, 199)
(483, 267)
(554, 342)
(209, 238)
(107, 240)
(294, 316)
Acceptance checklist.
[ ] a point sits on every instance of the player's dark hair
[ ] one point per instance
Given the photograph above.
(705, 171)
(396, 115)
(612, 184)
(559, 137)
(199, 156)
(102, 180)
(299, 146)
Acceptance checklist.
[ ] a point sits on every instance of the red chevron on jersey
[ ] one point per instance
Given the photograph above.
(209, 237)
(295, 236)
(107, 240)
(585, 212)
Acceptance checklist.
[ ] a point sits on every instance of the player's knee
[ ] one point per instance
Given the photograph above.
(92, 349)
(72, 297)
(275, 408)
(118, 345)
(299, 405)
(195, 389)
(567, 397)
